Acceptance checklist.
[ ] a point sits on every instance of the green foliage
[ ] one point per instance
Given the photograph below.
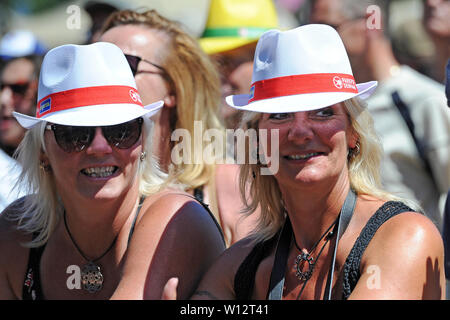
(32, 6)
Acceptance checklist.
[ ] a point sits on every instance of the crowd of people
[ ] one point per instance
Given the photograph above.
(343, 194)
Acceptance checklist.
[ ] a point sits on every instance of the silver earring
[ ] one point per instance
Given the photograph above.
(357, 148)
(143, 155)
(44, 167)
(353, 152)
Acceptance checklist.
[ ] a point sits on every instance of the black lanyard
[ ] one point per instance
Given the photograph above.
(279, 266)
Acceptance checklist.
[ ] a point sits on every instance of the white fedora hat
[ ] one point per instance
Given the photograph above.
(87, 85)
(302, 69)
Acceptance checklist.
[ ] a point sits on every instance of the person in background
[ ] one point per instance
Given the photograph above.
(20, 43)
(409, 109)
(328, 230)
(98, 223)
(19, 81)
(232, 29)
(21, 53)
(98, 11)
(437, 24)
(411, 43)
(168, 65)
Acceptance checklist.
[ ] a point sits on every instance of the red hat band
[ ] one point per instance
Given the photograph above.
(88, 96)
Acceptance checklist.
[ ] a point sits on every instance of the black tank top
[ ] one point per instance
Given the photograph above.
(244, 280)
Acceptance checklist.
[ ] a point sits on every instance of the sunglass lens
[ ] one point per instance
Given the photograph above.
(124, 135)
(72, 138)
(16, 88)
(76, 139)
(133, 61)
(19, 88)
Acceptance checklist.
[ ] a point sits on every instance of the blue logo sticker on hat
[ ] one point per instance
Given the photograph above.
(252, 92)
(45, 106)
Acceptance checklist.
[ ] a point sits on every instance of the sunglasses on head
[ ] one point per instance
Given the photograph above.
(77, 138)
(17, 88)
(133, 61)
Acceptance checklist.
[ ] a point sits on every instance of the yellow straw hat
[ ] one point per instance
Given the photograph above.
(234, 23)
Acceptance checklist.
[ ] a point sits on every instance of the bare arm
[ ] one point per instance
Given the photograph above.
(218, 282)
(404, 260)
(175, 237)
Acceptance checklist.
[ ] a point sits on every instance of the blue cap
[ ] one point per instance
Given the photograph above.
(20, 43)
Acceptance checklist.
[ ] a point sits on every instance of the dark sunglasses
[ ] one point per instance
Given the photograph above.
(77, 138)
(133, 61)
(17, 88)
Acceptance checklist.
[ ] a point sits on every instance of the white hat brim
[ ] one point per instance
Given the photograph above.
(93, 116)
(299, 102)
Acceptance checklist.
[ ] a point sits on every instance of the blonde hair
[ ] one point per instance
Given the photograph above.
(196, 85)
(363, 167)
(40, 211)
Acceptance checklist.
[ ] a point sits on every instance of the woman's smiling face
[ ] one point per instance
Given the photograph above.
(100, 171)
(313, 145)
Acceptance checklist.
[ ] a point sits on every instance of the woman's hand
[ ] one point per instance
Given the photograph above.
(170, 290)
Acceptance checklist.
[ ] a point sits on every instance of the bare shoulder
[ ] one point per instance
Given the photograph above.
(14, 254)
(169, 203)
(173, 211)
(9, 233)
(411, 229)
(410, 234)
(407, 255)
(402, 228)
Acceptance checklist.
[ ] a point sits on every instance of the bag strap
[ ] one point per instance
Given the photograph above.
(279, 266)
(406, 115)
(345, 216)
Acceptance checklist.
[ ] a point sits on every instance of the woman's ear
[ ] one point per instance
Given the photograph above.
(353, 139)
(170, 100)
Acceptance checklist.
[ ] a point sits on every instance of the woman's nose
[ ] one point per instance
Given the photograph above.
(300, 128)
(6, 101)
(99, 144)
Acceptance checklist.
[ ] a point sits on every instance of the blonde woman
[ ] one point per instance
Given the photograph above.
(169, 65)
(327, 229)
(96, 224)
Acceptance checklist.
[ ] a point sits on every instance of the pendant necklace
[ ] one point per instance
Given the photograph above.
(284, 243)
(307, 257)
(91, 274)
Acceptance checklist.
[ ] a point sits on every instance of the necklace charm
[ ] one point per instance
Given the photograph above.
(91, 277)
(304, 275)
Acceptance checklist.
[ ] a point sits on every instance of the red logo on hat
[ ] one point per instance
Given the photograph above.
(135, 96)
(337, 81)
(302, 84)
